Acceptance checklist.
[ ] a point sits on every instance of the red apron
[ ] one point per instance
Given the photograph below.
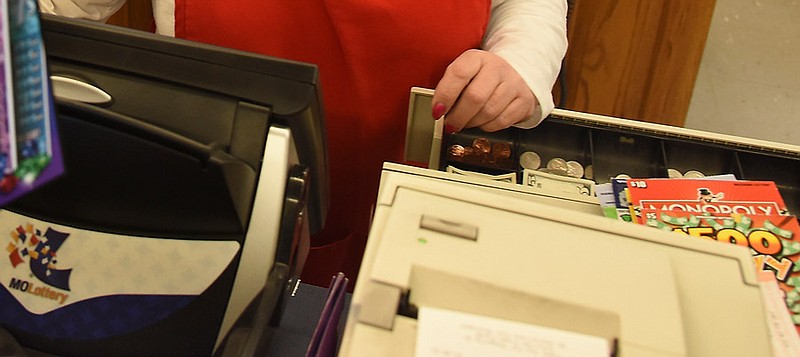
(370, 53)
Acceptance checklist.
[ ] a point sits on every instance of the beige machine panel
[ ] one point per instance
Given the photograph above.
(456, 245)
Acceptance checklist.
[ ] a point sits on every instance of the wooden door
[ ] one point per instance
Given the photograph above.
(137, 14)
(635, 59)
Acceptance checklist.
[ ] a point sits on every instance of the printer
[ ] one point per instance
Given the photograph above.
(445, 241)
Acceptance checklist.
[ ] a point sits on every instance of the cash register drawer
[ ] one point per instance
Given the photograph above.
(604, 147)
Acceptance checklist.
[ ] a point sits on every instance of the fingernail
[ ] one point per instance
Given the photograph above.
(449, 129)
(438, 111)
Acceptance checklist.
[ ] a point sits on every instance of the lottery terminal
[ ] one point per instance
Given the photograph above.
(491, 254)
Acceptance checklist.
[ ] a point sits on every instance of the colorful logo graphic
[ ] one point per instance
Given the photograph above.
(39, 250)
(705, 195)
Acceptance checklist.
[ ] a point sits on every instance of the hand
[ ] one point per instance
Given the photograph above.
(481, 89)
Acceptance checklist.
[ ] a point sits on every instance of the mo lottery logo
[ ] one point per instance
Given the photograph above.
(29, 245)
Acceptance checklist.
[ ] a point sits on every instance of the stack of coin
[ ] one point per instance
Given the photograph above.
(482, 151)
(693, 174)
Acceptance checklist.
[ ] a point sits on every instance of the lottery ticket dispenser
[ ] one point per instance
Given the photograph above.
(642, 289)
(194, 177)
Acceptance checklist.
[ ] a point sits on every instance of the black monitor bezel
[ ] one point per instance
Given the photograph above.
(290, 89)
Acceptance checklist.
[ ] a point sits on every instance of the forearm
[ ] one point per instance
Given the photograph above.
(98, 10)
(531, 36)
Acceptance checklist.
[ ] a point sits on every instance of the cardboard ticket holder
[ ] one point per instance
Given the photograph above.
(613, 146)
(462, 246)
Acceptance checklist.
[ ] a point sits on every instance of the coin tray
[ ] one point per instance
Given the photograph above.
(615, 154)
(556, 141)
(615, 146)
(685, 156)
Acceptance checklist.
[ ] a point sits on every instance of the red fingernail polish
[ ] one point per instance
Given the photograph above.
(449, 129)
(438, 111)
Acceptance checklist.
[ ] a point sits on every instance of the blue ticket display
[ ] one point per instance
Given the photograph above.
(8, 151)
(29, 151)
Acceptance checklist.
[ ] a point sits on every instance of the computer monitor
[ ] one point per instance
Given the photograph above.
(190, 172)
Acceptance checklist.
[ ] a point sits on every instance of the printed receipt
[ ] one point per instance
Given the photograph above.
(448, 333)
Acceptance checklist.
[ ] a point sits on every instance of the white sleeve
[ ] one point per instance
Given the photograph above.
(98, 10)
(531, 35)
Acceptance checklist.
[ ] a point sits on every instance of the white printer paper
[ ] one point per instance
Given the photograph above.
(450, 333)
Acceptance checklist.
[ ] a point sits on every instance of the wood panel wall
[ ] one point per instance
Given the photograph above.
(635, 59)
(137, 14)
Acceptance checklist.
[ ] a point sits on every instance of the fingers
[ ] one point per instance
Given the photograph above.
(480, 89)
(455, 79)
(518, 108)
(499, 95)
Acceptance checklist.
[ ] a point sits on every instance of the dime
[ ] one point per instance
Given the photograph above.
(482, 145)
(530, 160)
(622, 176)
(672, 173)
(501, 150)
(456, 150)
(574, 169)
(693, 174)
(557, 163)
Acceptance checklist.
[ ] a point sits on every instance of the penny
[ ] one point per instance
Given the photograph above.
(482, 145)
(530, 160)
(501, 150)
(672, 173)
(557, 164)
(693, 174)
(574, 169)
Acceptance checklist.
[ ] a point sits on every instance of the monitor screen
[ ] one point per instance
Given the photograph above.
(164, 145)
(195, 97)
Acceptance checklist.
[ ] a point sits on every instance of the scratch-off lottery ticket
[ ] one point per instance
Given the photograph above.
(773, 240)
